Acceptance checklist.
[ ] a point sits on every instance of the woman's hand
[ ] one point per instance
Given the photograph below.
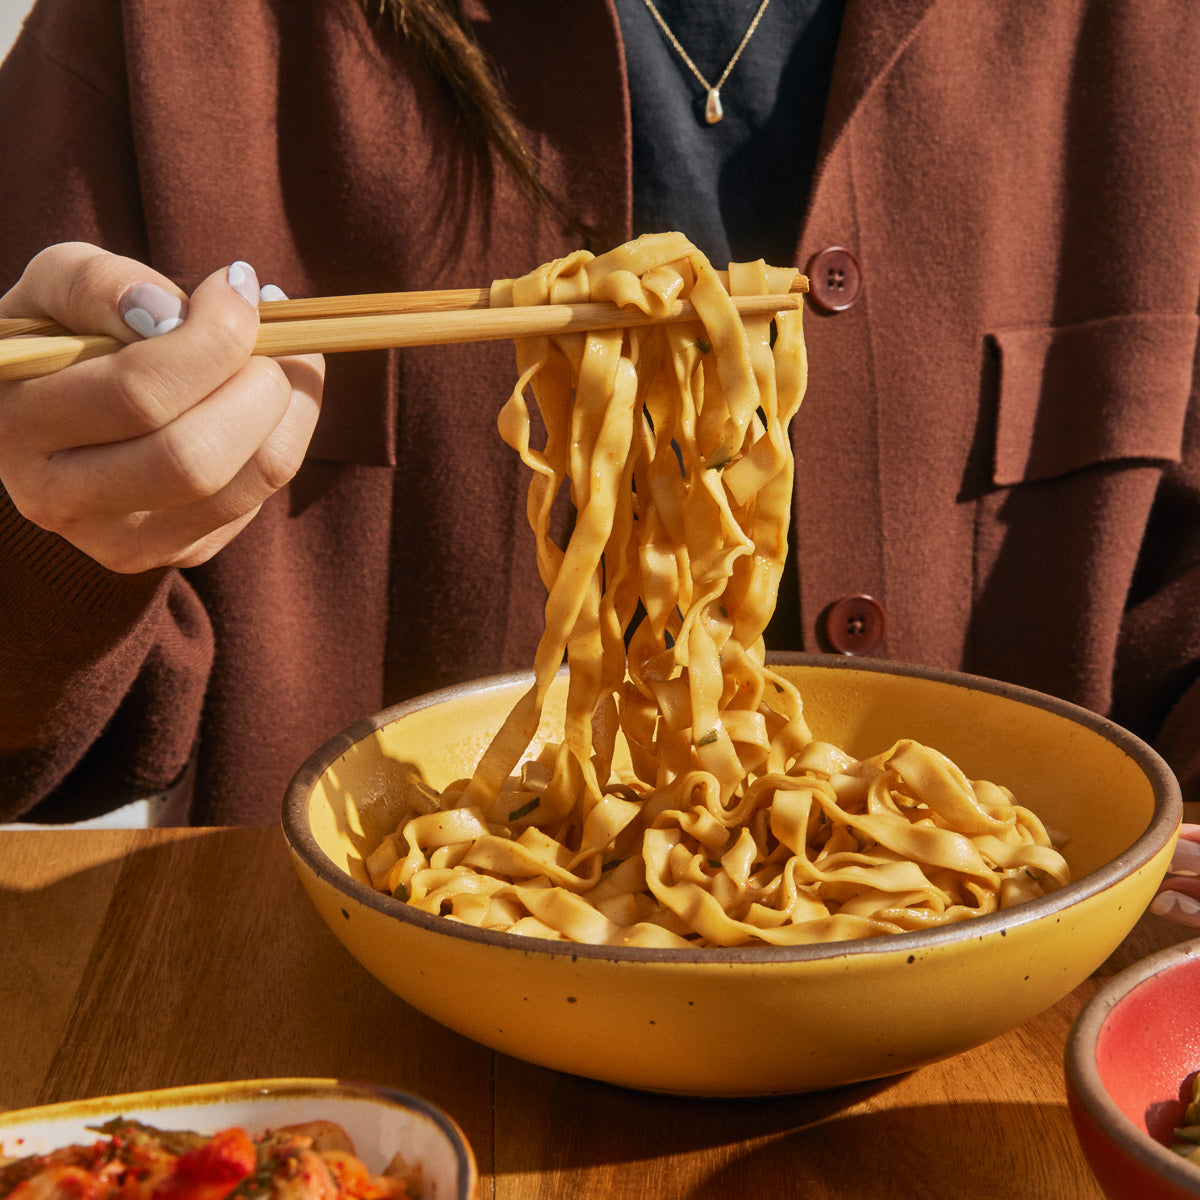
(1178, 896)
(159, 454)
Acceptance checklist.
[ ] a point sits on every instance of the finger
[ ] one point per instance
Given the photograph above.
(91, 291)
(274, 462)
(191, 458)
(1178, 900)
(1178, 896)
(1186, 858)
(154, 540)
(145, 385)
(189, 534)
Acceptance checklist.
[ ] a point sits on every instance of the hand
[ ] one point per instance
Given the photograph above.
(1178, 896)
(159, 454)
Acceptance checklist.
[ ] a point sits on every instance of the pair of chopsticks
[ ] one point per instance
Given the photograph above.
(30, 348)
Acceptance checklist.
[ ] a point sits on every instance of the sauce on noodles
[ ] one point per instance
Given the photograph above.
(735, 825)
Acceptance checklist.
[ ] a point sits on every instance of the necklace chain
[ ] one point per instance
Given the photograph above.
(713, 111)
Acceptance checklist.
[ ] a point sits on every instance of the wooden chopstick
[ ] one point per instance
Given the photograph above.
(337, 324)
(312, 306)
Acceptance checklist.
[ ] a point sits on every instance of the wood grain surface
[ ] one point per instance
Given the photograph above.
(135, 960)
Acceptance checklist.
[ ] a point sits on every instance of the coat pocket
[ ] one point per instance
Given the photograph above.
(1100, 391)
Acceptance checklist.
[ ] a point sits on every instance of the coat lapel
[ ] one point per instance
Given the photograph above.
(872, 37)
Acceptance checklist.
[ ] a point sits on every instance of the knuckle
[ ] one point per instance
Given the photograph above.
(278, 461)
(227, 337)
(81, 283)
(192, 464)
(39, 508)
(140, 399)
(85, 272)
(39, 501)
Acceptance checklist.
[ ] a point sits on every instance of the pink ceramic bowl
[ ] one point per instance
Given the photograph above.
(1129, 1059)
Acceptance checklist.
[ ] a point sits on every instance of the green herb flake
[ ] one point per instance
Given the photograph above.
(704, 345)
(400, 892)
(524, 810)
(708, 738)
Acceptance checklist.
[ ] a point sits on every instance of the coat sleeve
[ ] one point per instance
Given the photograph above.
(101, 675)
(1157, 677)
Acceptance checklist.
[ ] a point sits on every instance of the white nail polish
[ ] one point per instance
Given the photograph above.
(150, 310)
(1167, 903)
(141, 322)
(242, 279)
(271, 292)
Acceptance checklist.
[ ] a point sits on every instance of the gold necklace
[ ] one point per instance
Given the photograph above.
(713, 111)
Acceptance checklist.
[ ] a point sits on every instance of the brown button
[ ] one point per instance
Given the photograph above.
(834, 279)
(854, 624)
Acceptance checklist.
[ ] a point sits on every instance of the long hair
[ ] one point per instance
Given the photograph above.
(438, 30)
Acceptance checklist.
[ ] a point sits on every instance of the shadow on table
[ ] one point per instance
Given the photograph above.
(826, 1144)
(145, 960)
(980, 1150)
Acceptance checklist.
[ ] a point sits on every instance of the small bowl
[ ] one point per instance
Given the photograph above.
(381, 1122)
(1129, 1058)
(755, 1020)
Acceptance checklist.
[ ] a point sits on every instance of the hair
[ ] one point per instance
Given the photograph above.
(438, 31)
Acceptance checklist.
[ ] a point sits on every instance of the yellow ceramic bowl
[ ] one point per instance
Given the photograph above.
(752, 1021)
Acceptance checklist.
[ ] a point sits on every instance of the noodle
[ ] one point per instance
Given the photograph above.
(734, 826)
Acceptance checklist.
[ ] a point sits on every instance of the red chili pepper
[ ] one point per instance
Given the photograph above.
(210, 1171)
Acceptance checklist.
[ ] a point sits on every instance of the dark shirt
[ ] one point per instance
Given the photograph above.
(738, 189)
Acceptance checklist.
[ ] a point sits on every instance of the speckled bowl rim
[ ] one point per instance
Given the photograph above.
(1165, 819)
(1083, 1076)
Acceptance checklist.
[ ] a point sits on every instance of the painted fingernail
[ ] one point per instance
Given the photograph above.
(1186, 859)
(150, 310)
(271, 292)
(1167, 904)
(244, 281)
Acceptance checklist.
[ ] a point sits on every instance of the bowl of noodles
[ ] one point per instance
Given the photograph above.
(672, 863)
(807, 1004)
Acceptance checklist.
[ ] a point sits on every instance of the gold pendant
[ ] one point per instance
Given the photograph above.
(713, 111)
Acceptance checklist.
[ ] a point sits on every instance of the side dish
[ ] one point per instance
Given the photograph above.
(133, 1161)
(732, 823)
(1187, 1135)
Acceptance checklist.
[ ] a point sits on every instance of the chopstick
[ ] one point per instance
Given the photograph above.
(30, 348)
(313, 306)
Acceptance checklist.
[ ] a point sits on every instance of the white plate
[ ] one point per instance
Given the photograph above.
(381, 1123)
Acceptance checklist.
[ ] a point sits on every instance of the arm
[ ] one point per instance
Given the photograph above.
(117, 472)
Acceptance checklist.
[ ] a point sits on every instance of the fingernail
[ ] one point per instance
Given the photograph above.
(150, 310)
(1186, 859)
(271, 292)
(1167, 903)
(244, 281)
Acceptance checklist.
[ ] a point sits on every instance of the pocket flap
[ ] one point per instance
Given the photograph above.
(1096, 392)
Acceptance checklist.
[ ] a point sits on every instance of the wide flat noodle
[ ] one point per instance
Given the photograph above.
(734, 826)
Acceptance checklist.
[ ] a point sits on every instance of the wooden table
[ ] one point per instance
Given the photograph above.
(145, 959)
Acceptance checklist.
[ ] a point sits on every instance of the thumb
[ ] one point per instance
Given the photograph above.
(90, 290)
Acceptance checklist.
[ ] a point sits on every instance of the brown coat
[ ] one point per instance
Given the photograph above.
(1000, 440)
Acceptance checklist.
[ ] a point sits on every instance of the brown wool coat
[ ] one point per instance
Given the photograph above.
(1000, 440)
